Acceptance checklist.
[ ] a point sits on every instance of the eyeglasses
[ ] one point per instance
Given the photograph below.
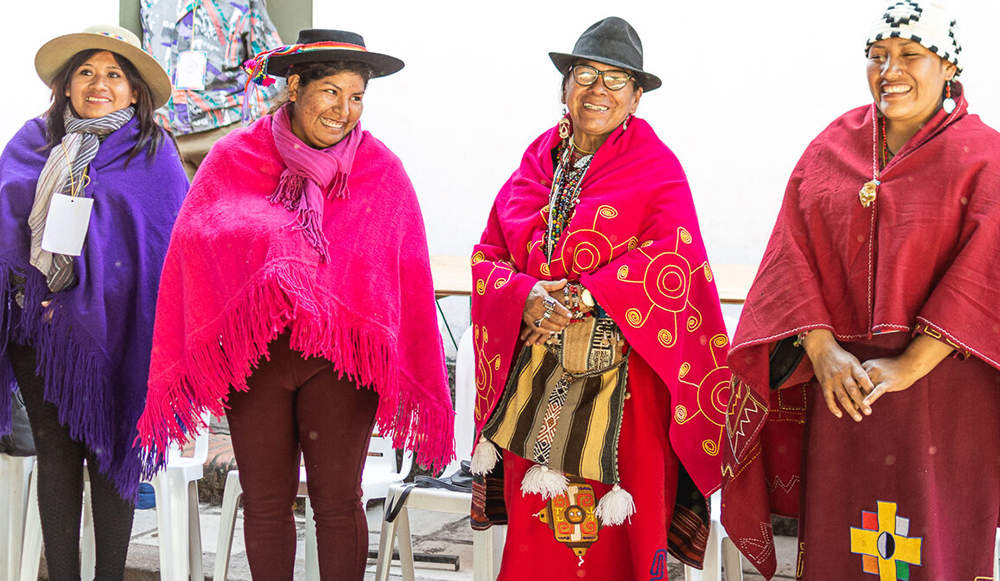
(614, 80)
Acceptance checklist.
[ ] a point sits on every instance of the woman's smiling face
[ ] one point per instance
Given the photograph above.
(327, 109)
(907, 80)
(596, 110)
(99, 87)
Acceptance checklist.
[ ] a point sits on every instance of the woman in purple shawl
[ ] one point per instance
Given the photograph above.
(76, 316)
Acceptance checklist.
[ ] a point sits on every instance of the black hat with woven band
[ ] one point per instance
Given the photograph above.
(321, 45)
(614, 42)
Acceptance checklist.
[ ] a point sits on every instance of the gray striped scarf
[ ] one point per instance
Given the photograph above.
(64, 170)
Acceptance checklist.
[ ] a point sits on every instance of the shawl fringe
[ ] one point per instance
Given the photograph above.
(291, 194)
(75, 379)
(280, 298)
(288, 184)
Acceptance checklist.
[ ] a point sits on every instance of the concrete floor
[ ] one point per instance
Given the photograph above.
(433, 533)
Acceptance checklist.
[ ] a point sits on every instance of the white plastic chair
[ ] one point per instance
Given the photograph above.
(379, 473)
(486, 545)
(178, 523)
(31, 545)
(15, 473)
(996, 558)
(719, 551)
(177, 519)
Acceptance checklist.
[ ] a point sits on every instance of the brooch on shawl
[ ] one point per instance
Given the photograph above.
(869, 191)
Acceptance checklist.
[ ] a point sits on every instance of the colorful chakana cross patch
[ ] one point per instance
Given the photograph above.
(571, 517)
(884, 544)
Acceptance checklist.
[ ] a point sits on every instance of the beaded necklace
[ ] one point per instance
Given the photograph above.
(885, 146)
(565, 193)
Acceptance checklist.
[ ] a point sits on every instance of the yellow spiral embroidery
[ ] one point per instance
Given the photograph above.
(633, 243)
(685, 236)
(685, 367)
(478, 257)
(709, 275)
(665, 338)
(545, 269)
(481, 286)
(720, 340)
(623, 273)
(680, 414)
(634, 317)
(646, 243)
(711, 448)
(608, 212)
(693, 323)
(499, 283)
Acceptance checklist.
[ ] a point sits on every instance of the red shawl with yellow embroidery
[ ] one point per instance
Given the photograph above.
(634, 242)
(921, 258)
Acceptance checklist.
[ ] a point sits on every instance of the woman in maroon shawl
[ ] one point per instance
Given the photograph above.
(599, 340)
(879, 305)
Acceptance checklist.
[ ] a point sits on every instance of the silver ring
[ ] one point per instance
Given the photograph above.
(538, 323)
(548, 313)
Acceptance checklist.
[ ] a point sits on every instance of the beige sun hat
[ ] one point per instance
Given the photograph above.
(55, 53)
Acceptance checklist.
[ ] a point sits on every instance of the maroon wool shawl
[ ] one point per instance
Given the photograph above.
(239, 272)
(922, 258)
(634, 242)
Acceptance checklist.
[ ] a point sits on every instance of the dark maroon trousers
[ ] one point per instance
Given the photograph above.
(296, 404)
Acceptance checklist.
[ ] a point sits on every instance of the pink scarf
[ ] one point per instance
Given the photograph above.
(237, 275)
(311, 175)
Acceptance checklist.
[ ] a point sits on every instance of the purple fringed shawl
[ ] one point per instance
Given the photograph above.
(94, 351)
(239, 272)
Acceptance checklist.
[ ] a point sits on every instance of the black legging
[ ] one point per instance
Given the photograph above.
(60, 487)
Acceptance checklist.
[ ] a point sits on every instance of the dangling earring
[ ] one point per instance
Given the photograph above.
(948, 104)
(625, 123)
(564, 125)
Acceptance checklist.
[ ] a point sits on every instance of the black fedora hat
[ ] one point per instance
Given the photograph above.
(321, 45)
(611, 41)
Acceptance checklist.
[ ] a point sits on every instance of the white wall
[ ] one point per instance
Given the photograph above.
(26, 25)
(746, 86)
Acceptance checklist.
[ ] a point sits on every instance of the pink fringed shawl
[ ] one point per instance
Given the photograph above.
(239, 272)
(634, 242)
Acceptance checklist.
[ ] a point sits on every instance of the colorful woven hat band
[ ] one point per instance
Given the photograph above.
(926, 22)
(256, 67)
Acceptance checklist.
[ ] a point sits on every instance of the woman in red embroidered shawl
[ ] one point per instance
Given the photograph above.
(599, 340)
(297, 293)
(878, 310)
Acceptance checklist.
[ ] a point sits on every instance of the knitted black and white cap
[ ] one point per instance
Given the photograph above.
(927, 22)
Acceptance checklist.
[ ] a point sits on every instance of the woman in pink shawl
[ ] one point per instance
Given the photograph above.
(296, 294)
(599, 341)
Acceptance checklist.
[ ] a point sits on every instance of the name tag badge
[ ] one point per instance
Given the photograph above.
(66, 225)
(191, 67)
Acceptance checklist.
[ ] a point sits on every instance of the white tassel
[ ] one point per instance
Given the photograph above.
(616, 507)
(545, 481)
(484, 457)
